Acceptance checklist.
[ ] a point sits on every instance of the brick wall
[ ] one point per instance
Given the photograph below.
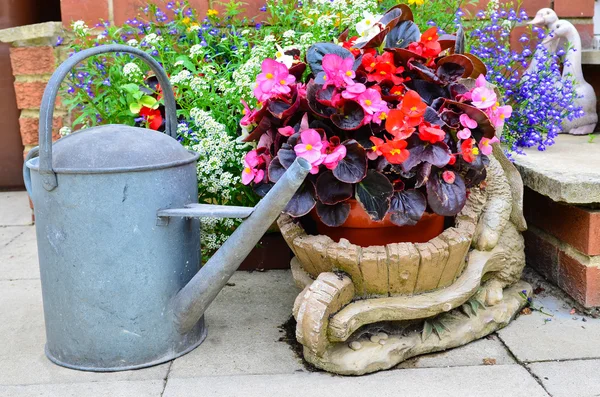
(34, 57)
(118, 11)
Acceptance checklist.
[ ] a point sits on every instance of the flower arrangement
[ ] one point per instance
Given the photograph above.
(527, 89)
(400, 129)
(211, 62)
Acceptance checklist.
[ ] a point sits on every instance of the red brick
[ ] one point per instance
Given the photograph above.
(29, 95)
(90, 11)
(32, 60)
(531, 6)
(579, 281)
(574, 8)
(541, 255)
(576, 226)
(586, 32)
(29, 129)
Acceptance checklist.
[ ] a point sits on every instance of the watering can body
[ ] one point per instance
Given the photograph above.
(108, 271)
(118, 231)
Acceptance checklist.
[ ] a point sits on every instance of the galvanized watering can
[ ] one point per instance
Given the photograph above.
(118, 234)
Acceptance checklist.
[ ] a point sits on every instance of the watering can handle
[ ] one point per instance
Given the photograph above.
(47, 107)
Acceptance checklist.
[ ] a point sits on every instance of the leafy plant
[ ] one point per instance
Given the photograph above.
(400, 129)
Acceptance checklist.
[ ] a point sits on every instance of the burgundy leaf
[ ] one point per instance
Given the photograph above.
(333, 215)
(374, 193)
(286, 155)
(353, 167)
(352, 116)
(315, 54)
(331, 191)
(446, 199)
(407, 207)
(276, 170)
(303, 201)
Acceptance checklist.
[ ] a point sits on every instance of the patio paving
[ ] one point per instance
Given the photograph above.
(246, 353)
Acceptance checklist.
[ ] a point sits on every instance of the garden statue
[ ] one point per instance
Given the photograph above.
(544, 18)
(411, 213)
(586, 96)
(562, 34)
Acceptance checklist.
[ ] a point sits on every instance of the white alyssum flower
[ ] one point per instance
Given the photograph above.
(194, 28)
(79, 27)
(245, 32)
(196, 50)
(132, 43)
(181, 77)
(64, 131)
(288, 34)
(152, 39)
(132, 72)
(178, 63)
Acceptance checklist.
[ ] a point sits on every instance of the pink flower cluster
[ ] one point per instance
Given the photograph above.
(485, 98)
(274, 80)
(317, 151)
(253, 171)
(339, 73)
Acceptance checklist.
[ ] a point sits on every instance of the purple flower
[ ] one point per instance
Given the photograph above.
(59, 40)
(263, 8)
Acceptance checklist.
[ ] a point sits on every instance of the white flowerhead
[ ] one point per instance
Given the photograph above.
(64, 131)
(288, 34)
(364, 27)
(152, 39)
(79, 27)
(132, 43)
(280, 57)
(131, 71)
(196, 50)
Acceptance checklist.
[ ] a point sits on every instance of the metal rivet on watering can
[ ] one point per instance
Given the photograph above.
(118, 233)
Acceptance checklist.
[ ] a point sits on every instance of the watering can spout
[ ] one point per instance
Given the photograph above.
(193, 300)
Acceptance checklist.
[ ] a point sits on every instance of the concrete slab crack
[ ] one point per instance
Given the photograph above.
(523, 364)
(166, 379)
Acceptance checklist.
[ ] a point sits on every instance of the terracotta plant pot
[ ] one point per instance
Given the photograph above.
(361, 230)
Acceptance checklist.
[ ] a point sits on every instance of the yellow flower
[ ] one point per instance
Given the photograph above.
(212, 12)
(186, 20)
(416, 2)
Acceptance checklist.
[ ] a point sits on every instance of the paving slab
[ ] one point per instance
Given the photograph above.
(471, 354)
(243, 329)
(14, 209)
(96, 389)
(567, 171)
(557, 335)
(19, 258)
(22, 360)
(579, 378)
(491, 381)
(9, 233)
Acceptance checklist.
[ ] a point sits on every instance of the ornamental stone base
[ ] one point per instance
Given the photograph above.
(365, 309)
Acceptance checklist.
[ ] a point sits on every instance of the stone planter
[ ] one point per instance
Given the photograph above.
(367, 309)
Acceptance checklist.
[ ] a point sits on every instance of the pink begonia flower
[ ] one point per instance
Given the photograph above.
(249, 115)
(467, 122)
(483, 98)
(310, 149)
(464, 133)
(286, 131)
(332, 159)
(338, 70)
(378, 117)
(481, 81)
(499, 114)
(250, 172)
(274, 80)
(485, 145)
(371, 101)
(353, 91)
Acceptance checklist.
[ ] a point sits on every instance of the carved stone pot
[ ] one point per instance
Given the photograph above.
(364, 309)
